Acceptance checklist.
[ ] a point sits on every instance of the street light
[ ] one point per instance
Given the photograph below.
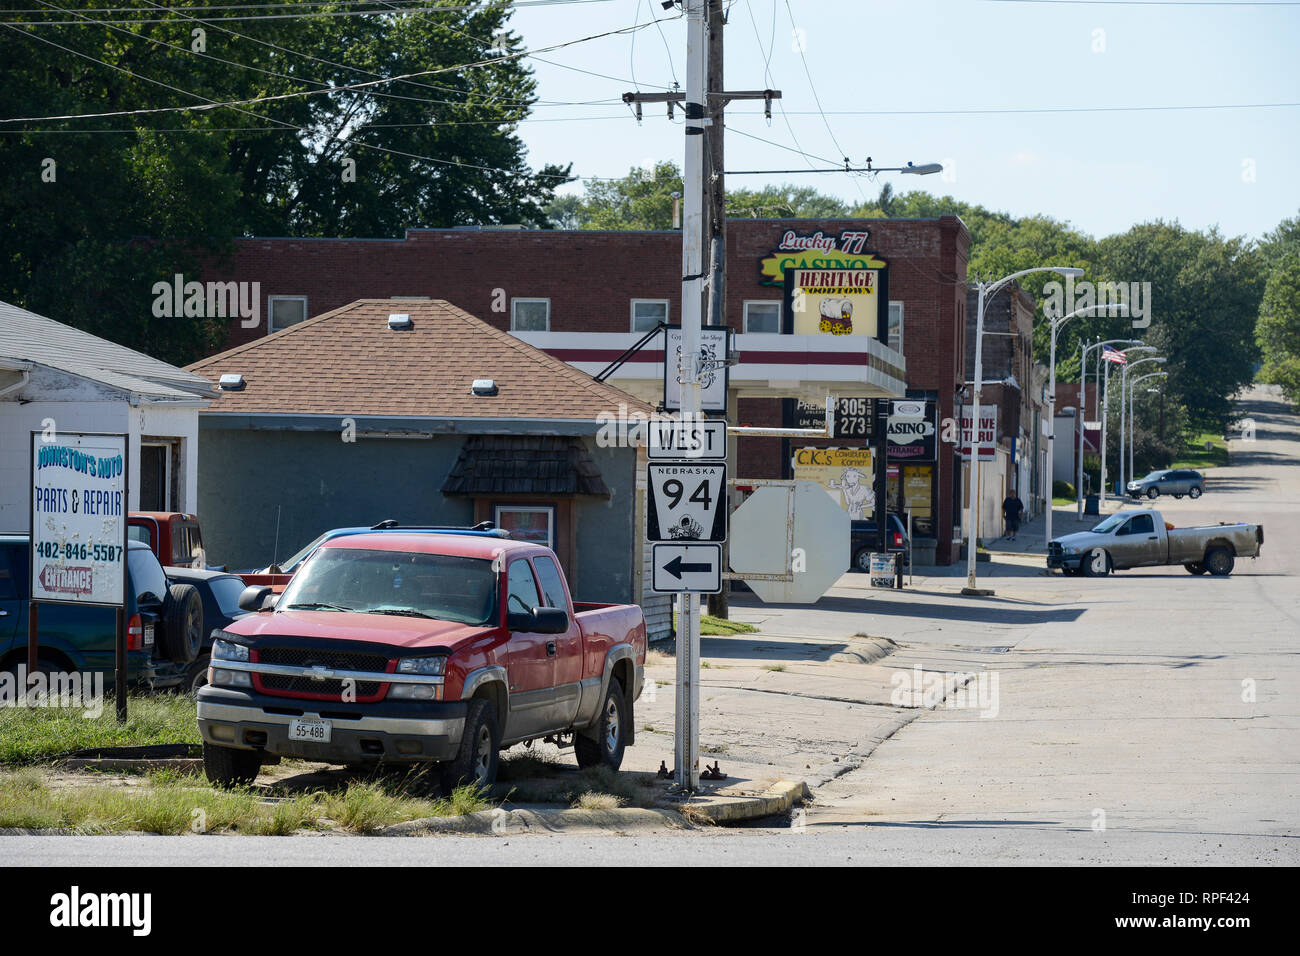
(1120, 309)
(1083, 392)
(1132, 414)
(986, 291)
(1123, 386)
(1105, 409)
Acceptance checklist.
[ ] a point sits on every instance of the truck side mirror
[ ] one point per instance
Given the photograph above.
(540, 620)
(253, 597)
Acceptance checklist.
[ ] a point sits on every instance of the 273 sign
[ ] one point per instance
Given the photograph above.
(687, 502)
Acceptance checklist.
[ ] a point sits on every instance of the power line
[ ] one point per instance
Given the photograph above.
(334, 89)
(1047, 109)
(292, 16)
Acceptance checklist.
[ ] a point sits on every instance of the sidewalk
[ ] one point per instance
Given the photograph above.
(1031, 537)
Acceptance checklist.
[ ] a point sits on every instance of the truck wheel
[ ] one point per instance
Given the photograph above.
(1096, 564)
(611, 739)
(476, 762)
(228, 767)
(1195, 492)
(1195, 567)
(182, 636)
(196, 675)
(1219, 562)
(862, 561)
(1153, 493)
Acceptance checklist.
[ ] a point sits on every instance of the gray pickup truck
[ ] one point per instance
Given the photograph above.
(1140, 539)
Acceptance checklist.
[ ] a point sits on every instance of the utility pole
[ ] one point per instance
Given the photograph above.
(687, 730)
(715, 205)
(703, 257)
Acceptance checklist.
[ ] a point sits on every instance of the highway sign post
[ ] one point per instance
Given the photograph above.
(677, 438)
(688, 501)
(687, 568)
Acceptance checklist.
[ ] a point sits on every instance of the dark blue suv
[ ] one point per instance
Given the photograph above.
(164, 622)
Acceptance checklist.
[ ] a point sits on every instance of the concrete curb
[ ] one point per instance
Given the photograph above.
(710, 809)
(188, 764)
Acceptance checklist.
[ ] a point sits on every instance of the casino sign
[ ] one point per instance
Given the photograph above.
(832, 285)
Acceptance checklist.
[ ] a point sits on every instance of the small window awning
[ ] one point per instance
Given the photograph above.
(524, 465)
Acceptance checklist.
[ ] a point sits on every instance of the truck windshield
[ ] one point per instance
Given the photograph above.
(1111, 523)
(445, 587)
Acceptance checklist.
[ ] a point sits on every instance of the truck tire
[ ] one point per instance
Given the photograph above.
(1195, 492)
(476, 762)
(1195, 567)
(228, 767)
(1096, 564)
(196, 675)
(182, 624)
(1153, 492)
(607, 747)
(1219, 562)
(862, 561)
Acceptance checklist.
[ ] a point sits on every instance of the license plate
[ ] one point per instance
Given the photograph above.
(148, 635)
(312, 731)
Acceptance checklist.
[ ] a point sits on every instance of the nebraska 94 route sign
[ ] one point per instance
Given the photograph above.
(687, 501)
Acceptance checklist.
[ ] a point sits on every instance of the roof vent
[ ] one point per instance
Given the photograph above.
(483, 386)
(231, 382)
(399, 320)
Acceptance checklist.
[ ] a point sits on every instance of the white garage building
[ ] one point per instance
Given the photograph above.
(55, 376)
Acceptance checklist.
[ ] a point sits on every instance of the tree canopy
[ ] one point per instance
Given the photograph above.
(101, 208)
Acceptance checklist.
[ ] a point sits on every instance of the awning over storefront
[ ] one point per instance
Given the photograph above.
(524, 465)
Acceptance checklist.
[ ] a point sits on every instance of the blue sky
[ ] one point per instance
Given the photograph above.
(1101, 171)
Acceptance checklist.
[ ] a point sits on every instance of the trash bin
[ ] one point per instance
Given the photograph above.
(882, 569)
(1092, 505)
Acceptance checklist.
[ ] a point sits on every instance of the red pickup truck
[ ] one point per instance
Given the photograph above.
(421, 648)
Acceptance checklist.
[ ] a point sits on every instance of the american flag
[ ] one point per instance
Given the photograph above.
(1113, 355)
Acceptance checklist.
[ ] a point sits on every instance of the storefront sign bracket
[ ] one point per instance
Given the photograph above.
(757, 431)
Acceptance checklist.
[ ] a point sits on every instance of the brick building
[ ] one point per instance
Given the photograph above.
(586, 296)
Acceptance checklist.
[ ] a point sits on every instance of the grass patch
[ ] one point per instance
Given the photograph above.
(174, 807)
(598, 801)
(1195, 455)
(774, 667)
(527, 765)
(28, 734)
(720, 626)
(1063, 501)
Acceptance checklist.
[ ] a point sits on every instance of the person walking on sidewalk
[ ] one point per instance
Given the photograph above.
(1012, 508)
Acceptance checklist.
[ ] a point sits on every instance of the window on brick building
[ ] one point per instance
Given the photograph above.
(763, 317)
(896, 327)
(283, 311)
(647, 313)
(530, 315)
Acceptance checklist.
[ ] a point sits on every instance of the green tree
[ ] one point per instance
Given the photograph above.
(1205, 293)
(1278, 328)
(100, 209)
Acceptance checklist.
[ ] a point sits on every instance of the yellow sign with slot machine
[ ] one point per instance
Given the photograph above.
(833, 285)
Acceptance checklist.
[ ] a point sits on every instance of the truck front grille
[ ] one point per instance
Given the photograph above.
(329, 689)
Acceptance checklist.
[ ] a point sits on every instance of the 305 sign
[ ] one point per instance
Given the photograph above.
(854, 418)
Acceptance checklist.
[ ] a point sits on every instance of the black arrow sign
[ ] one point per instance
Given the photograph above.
(676, 568)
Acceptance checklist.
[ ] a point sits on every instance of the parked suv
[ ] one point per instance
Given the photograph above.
(1169, 481)
(164, 622)
(863, 541)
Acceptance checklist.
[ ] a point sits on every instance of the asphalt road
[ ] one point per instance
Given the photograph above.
(1151, 717)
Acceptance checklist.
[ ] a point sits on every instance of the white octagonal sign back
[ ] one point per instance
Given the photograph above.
(759, 544)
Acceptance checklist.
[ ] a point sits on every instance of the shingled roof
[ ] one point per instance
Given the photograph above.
(349, 362)
(524, 465)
